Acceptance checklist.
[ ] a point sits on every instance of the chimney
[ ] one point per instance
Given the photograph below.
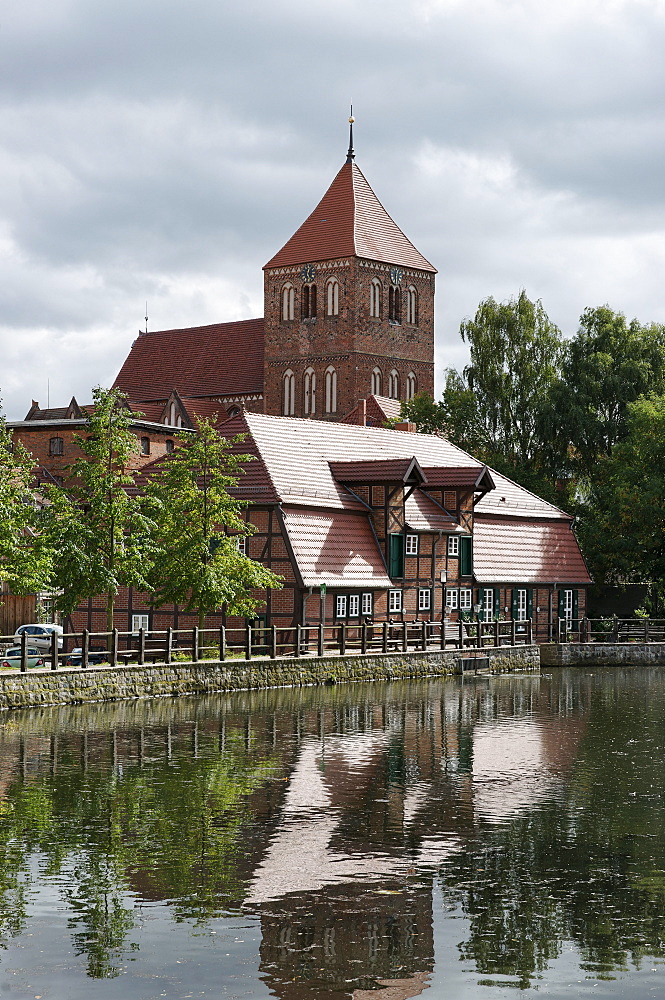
(406, 425)
(362, 412)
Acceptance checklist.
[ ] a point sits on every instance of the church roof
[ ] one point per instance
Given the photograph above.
(223, 359)
(350, 221)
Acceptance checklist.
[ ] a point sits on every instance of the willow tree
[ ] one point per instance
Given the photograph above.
(197, 562)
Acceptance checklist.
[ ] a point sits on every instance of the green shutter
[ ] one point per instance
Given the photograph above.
(513, 607)
(496, 609)
(529, 604)
(465, 556)
(396, 556)
(575, 611)
(562, 607)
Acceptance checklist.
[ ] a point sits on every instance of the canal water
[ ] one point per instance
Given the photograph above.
(460, 838)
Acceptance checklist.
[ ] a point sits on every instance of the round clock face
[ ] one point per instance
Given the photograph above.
(308, 272)
(395, 275)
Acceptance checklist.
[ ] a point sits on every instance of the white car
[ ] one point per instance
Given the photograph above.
(39, 635)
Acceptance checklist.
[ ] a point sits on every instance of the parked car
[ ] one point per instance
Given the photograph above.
(39, 635)
(11, 660)
(75, 658)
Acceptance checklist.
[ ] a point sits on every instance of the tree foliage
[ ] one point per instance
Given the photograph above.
(196, 562)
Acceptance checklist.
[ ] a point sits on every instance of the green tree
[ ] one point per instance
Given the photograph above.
(607, 365)
(25, 557)
(197, 563)
(96, 525)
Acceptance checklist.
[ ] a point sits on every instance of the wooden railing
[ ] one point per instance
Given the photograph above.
(85, 649)
(610, 630)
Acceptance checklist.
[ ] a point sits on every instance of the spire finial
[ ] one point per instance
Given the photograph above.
(350, 156)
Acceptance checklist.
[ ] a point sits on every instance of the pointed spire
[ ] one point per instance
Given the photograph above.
(351, 155)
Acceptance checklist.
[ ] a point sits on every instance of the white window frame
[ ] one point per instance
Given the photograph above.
(453, 545)
(241, 542)
(465, 599)
(522, 604)
(452, 599)
(354, 605)
(411, 546)
(568, 606)
(140, 622)
(488, 604)
(394, 601)
(424, 599)
(367, 603)
(340, 605)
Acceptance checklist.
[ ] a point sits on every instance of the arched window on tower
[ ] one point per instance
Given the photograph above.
(412, 305)
(288, 301)
(332, 297)
(411, 385)
(331, 390)
(393, 384)
(394, 304)
(289, 393)
(377, 382)
(310, 392)
(375, 298)
(309, 301)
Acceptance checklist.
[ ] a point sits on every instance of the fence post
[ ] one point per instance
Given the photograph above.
(24, 652)
(248, 642)
(615, 631)
(195, 644)
(384, 638)
(141, 655)
(513, 638)
(646, 629)
(442, 636)
(168, 652)
(222, 643)
(496, 632)
(54, 650)
(296, 649)
(114, 647)
(342, 639)
(85, 648)
(530, 633)
(424, 636)
(405, 638)
(273, 642)
(321, 640)
(460, 639)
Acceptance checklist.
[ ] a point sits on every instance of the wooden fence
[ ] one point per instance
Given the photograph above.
(85, 649)
(610, 630)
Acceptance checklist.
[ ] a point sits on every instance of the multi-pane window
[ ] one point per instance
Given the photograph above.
(412, 545)
(452, 599)
(488, 604)
(393, 384)
(521, 607)
(145, 446)
(332, 298)
(169, 446)
(424, 599)
(411, 305)
(411, 385)
(375, 298)
(394, 601)
(140, 622)
(453, 545)
(354, 605)
(288, 301)
(241, 542)
(465, 599)
(367, 604)
(340, 606)
(288, 393)
(331, 390)
(568, 605)
(56, 446)
(310, 392)
(376, 382)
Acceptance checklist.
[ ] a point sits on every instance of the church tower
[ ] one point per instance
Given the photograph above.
(349, 308)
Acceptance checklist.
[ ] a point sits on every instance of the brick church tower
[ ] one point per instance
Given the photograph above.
(349, 308)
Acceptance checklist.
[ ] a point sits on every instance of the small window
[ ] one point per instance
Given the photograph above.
(376, 382)
(331, 390)
(55, 446)
(241, 542)
(340, 606)
(568, 605)
(452, 599)
(412, 545)
(367, 604)
(375, 299)
(465, 599)
(488, 604)
(394, 601)
(332, 298)
(354, 605)
(411, 385)
(424, 599)
(310, 392)
(169, 446)
(288, 393)
(140, 622)
(393, 384)
(453, 545)
(145, 446)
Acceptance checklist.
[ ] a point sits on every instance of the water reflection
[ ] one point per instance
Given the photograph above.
(515, 818)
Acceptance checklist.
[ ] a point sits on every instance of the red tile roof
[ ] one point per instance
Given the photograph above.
(335, 548)
(391, 470)
(378, 410)
(223, 359)
(459, 478)
(524, 551)
(422, 514)
(350, 221)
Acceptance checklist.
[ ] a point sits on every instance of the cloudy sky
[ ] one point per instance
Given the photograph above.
(163, 150)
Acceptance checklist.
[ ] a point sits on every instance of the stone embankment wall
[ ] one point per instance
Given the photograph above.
(603, 654)
(71, 686)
